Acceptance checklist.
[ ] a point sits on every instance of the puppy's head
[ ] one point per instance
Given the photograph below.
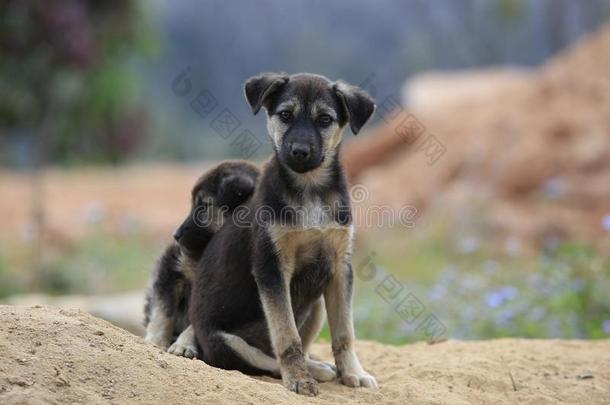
(215, 194)
(235, 184)
(306, 114)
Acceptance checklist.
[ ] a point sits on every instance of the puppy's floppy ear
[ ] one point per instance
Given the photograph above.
(357, 104)
(259, 88)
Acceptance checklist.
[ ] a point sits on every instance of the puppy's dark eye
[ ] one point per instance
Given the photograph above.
(325, 120)
(286, 116)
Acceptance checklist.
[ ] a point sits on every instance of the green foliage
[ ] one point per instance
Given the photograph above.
(559, 294)
(8, 285)
(97, 263)
(101, 264)
(66, 75)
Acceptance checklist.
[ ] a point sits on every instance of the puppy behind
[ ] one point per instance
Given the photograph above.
(214, 197)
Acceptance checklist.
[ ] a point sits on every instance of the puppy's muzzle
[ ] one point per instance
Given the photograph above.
(300, 152)
(180, 233)
(301, 156)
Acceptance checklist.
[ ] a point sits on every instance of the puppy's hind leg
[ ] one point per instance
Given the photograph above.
(232, 352)
(160, 309)
(160, 326)
(256, 358)
(185, 345)
(250, 354)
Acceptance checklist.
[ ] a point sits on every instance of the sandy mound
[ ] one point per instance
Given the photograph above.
(536, 151)
(66, 356)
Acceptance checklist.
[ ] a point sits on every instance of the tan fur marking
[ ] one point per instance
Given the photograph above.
(340, 320)
(283, 330)
(187, 266)
(284, 336)
(296, 244)
(276, 129)
(318, 108)
(293, 244)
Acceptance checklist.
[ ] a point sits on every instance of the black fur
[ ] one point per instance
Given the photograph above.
(226, 186)
(356, 104)
(238, 263)
(259, 89)
(241, 262)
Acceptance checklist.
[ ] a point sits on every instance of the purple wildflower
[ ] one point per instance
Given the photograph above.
(494, 299)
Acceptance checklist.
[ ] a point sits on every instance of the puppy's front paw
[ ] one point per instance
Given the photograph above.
(183, 349)
(304, 385)
(359, 379)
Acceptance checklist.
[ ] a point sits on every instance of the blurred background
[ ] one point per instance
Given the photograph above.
(492, 130)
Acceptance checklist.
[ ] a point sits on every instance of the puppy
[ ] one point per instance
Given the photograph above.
(262, 285)
(214, 197)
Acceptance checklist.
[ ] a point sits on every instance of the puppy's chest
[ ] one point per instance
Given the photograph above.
(309, 234)
(308, 214)
(310, 257)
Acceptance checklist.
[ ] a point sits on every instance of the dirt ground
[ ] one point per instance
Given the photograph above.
(51, 355)
(531, 148)
(154, 197)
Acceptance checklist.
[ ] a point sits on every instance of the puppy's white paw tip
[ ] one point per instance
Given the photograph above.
(351, 380)
(359, 380)
(369, 382)
(182, 350)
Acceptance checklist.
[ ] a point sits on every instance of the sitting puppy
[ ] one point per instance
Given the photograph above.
(214, 197)
(260, 291)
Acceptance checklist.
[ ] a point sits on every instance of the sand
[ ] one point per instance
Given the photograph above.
(52, 355)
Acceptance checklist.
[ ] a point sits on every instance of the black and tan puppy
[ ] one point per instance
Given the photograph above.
(214, 197)
(258, 299)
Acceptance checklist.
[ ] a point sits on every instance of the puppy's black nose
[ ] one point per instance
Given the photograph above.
(300, 152)
(180, 232)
